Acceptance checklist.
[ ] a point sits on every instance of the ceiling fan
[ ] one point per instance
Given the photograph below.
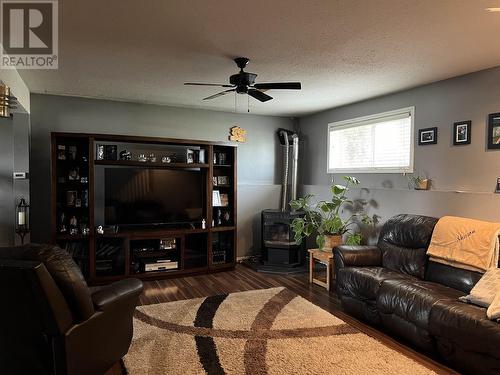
(244, 83)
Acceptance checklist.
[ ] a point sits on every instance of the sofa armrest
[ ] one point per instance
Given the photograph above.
(356, 256)
(117, 293)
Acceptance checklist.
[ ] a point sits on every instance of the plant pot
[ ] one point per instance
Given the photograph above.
(331, 241)
(422, 184)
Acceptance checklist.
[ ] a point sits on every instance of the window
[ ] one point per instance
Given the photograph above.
(381, 143)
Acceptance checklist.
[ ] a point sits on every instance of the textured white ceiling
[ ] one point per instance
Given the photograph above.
(341, 50)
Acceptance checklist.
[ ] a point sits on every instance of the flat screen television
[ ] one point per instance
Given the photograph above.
(153, 197)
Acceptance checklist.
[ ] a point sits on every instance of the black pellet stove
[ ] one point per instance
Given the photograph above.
(280, 253)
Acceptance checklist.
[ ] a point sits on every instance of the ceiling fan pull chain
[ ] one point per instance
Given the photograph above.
(248, 104)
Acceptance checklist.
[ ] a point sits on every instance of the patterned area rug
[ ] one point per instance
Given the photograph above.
(270, 331)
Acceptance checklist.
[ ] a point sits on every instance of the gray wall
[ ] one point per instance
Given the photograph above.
(6, 183)
(471, 168)
(258, 165)
(14, 156)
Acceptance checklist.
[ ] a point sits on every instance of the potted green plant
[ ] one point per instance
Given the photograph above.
(419, 182)
(325, 220)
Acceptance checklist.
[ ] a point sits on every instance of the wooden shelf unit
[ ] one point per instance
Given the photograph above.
(109, 257)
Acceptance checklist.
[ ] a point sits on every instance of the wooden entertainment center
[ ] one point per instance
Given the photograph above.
(80, 165)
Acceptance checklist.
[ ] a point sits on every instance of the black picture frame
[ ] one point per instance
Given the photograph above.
(494, 131)
(427, 136)
(462, 133)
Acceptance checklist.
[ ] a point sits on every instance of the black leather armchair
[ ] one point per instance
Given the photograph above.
(52, 323)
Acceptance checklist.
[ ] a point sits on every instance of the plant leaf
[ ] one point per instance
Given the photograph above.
(352, 180)
(338, 189)
(353, 239)
(320, 241)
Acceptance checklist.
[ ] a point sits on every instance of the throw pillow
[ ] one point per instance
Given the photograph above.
(493, 312)
(485, 290)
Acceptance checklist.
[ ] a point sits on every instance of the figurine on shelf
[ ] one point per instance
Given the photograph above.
(73, 222)
(61, 152)
(100, 152)
(84, 180)
(166, 159)
(73, 231)
(227, 217)
(74, 174)
(71, 198)
(72, 152)
(62, 223)
(85, 198)
(99, 230)
(189, 156)
(85, 231)
(152, 158)
(142, 158)
(219, 217)
(125, 155)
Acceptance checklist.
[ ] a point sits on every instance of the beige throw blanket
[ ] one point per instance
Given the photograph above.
(465, 243)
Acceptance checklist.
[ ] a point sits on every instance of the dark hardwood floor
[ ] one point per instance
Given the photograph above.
(244, 278)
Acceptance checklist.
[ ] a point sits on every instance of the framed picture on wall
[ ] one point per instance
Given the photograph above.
(494, 131)
(461, 133)
(428, 136)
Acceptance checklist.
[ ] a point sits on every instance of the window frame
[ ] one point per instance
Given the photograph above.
(360, 121)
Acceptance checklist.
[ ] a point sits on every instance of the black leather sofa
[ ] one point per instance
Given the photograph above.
(394, 285)
(52, 323)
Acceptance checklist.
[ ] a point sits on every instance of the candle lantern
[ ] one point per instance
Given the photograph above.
(22, 219)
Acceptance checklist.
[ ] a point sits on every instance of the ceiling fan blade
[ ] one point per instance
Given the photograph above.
(259, 95)
(207, 84)
(278, 86)
(218, 94)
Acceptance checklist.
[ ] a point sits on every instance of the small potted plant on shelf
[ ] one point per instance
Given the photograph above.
(418, 182)
(325, 220)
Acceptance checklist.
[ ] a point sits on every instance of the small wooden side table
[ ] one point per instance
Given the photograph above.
(322, 257)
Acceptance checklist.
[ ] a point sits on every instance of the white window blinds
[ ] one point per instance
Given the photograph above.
(381, 143)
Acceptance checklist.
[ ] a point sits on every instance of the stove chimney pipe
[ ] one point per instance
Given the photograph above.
(286, 137)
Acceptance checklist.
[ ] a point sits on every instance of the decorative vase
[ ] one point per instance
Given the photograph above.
(422, 184)
(331, 241)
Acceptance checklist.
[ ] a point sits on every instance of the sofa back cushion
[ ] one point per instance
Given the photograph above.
(64, 271)
(456, 278)
(404, 240)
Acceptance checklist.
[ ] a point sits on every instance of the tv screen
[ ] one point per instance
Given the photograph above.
(138, 196)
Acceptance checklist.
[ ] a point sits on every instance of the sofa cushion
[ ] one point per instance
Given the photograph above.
(413, 299)
(404, 240)
(467, 326)
(63, 270)
(364, 282)
(455, 278)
